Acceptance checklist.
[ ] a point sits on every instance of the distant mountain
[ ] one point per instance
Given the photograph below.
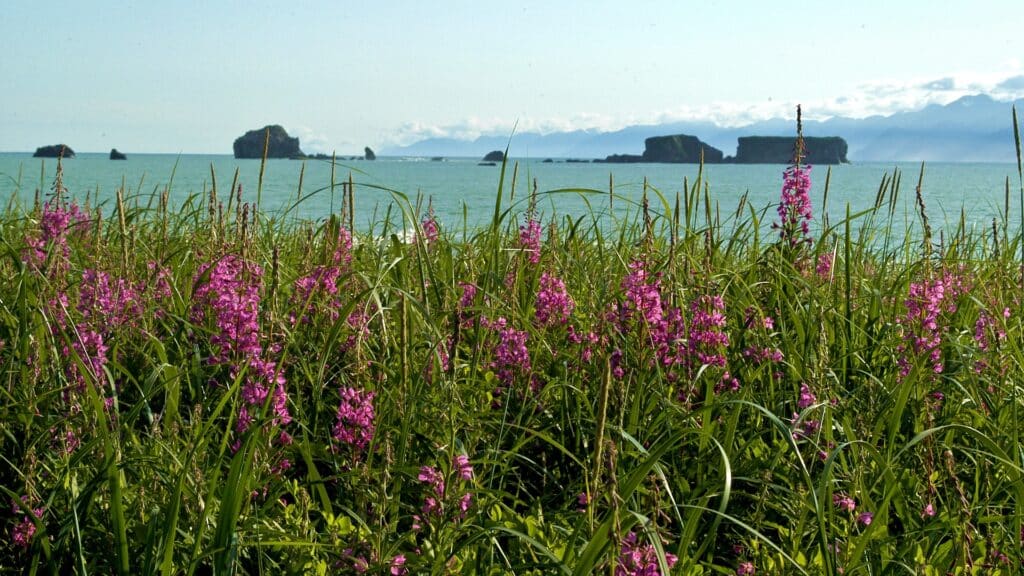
(970, 129)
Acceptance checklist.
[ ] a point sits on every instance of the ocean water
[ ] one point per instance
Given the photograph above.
(462, 192)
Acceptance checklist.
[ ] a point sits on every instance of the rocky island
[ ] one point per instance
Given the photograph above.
(779, 150)
(115, 155)
(54, 151)
(278, 144)
(675, 149)
(685, 149)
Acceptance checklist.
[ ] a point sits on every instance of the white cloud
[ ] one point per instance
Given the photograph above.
(880, 97)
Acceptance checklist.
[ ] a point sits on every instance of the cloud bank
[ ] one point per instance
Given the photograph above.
(883, 97)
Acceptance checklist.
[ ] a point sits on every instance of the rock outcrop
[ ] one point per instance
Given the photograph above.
(54, 151)
(280, 145)
(779, 150)
(679, 149)
(115, 155)
(675, 149)
(495, 156)
(368, 154)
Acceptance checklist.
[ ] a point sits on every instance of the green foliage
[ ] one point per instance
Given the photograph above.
(854, 425)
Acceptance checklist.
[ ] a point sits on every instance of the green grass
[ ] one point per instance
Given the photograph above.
(160, 476)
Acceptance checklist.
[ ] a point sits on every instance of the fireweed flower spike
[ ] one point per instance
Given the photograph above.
(795, 204)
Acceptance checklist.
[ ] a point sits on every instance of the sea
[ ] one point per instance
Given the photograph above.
(462, 193)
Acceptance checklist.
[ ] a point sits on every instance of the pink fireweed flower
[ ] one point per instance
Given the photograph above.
(89, 346)
(447, 493)
(643, 296)
(795, 206)
(23, 531)
(430, 228)
(638, 559)
(529, 239)
(823, 268)
(929, 511)
(228, 291)
(354, 425)
(807, 397)
(553, 304)
(55, 223)
(106, 303)
(865, 518)
(927, 303)
(397, 567)
(708, 340)
(844, 502)
(462, 468)
(511, 356)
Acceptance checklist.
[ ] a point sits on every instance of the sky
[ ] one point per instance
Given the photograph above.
(191, 76)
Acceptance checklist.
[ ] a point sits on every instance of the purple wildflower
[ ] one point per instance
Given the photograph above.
(844, 502)
(430, 228)
(638, 559)
(795, 205)
(553, 305)
(807, 397)
(529, 239)
(354, 425)
(745, 569)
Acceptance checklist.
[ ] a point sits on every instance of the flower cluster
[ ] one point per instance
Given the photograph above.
(529, 239)
(446, 493)
(691, 342)
(354, 425)
(319, 291)
(926, 303)
(228, 293)
(23, 531)
(103, 302)
(795, 206)
(55, 222)
(553, 304)
(638, 559)
(511, 357)
(430, 228)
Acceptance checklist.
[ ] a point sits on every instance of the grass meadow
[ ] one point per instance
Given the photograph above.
(688, 389)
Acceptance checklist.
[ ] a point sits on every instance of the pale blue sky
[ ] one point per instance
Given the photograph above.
(190, 76)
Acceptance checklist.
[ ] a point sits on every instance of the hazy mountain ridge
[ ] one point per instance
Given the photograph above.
(971, 129)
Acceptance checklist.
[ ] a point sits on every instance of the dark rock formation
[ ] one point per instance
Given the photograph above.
(115, 155)
(55, 151)
(779, 150)
(486, 164)
(280, 144)
(623, 159)
(676, 149)
(368, 154)
(495, 156)
(679, 149)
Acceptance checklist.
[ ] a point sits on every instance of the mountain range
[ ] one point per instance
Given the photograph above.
(974, 128)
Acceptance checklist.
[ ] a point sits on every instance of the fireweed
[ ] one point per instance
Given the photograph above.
(354, 426)
(794, 209)
(227, 293)
(640, 559)
(447, 495)
(929, 303)
(793, 341)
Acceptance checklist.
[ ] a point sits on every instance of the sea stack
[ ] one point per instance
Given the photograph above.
(54, 151)
(115, 155)
(278, 144)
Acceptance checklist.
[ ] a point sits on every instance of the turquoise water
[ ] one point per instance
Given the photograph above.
(461, 189)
